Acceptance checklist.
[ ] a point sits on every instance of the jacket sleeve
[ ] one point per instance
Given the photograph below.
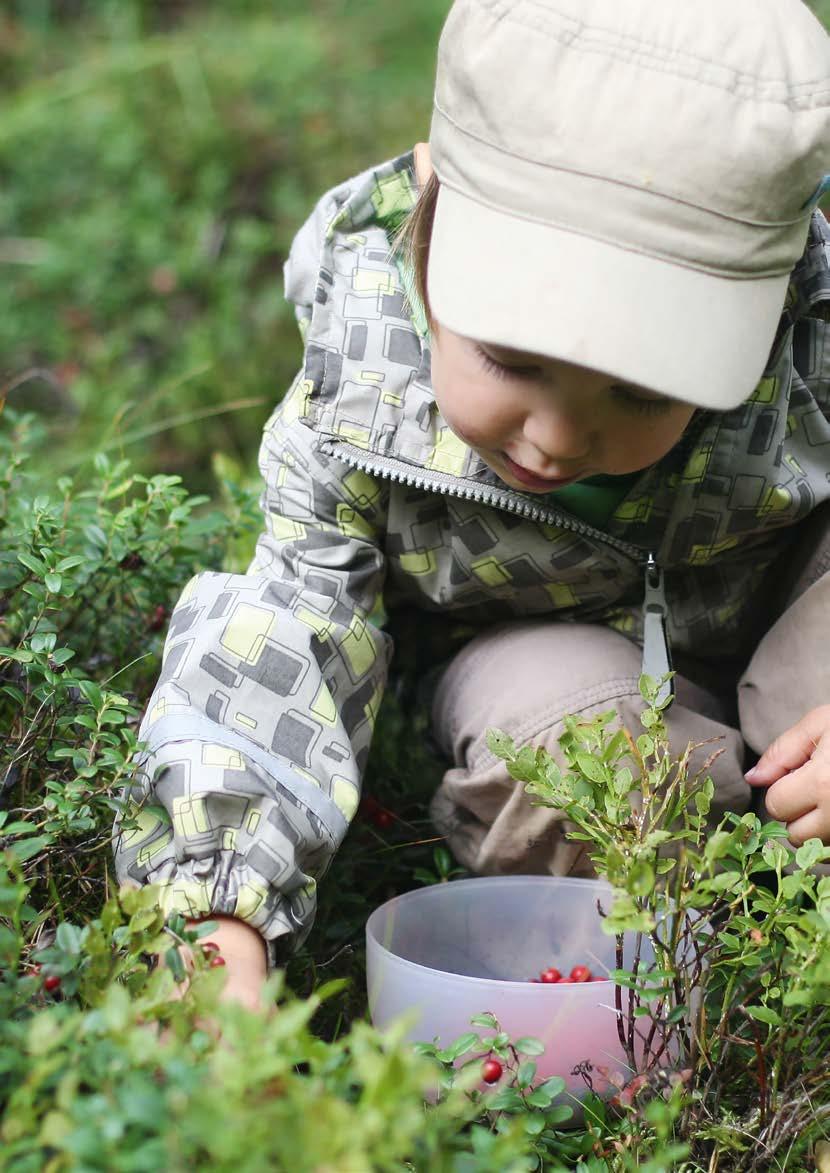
(259, 727)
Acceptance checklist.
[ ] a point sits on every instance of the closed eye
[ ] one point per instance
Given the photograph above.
(505, 370)
(633, 400)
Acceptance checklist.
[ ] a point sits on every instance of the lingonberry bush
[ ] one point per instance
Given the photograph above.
(88, 571)
(723, 1002)
(723, 981)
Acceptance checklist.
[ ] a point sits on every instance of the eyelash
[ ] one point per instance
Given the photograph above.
(630, 401)
(501, 371)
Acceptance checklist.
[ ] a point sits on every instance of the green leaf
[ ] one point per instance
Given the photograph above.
(36, 565)
(174, 962)
(507, 1099)
(53, 583)
(69, 563)
(558, 1114)
(764, 1014)
(92, 692)
(529, 1046)
(485, 1019)
(811, 853)
(775, 854)
(24, 849)
(641, 878)
(526, 1073)
(591, 767)
(500, 744)
(68, 937)
(554, 1086)
(462, 1045)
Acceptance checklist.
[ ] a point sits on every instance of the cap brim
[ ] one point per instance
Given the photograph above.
(691, 335)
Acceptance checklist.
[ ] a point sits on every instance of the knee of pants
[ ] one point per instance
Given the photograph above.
(525, 678)
(789, 673)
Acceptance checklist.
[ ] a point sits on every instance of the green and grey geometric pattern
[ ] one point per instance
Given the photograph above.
(260, 724)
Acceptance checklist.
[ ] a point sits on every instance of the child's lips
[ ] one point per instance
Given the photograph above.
(532, 481)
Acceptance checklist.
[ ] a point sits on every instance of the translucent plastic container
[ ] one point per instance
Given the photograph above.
(454, 950)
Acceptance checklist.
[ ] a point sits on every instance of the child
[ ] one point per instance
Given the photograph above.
(602, 382)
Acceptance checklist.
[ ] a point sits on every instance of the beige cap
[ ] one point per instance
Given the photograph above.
(626, 184)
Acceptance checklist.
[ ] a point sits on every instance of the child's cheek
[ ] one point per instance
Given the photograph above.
(644, 442)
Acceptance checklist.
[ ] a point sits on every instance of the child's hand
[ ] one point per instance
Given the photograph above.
(243, 952)
(796, 768)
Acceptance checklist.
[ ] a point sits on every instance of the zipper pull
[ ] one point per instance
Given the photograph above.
(656, 651)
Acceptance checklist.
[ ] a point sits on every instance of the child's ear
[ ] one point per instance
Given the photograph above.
(423, 163)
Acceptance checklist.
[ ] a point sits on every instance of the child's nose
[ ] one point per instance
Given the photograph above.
(560, 437)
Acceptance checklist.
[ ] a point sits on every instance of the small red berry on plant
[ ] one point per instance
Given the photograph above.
(491, 1071)
(550, 975)
(216, 961)
(580, 973)
(156, 621)
(51, 983)
(383, 819)
(210, 947)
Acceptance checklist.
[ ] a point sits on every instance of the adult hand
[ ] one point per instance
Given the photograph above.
(796, 770)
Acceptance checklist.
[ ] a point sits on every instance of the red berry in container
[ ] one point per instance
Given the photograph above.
(550, 975)
(580, 973)
(52, 983)
(491, 1071)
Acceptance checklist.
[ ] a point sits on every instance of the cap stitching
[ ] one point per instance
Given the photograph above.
(654, 57)
(617, 243)
(667, 195)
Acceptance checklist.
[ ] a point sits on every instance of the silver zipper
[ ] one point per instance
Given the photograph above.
(656, 652)
(455, 486)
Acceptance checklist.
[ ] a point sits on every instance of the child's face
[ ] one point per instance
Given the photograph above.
(539, 423)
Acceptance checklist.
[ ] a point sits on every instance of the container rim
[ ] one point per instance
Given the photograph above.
(531, 989)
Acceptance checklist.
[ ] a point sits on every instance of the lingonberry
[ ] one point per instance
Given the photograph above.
(580, 973)
(209, 947)
(491, 1071)
(383, 819)
(216, 960)
(550, 975)
(51, 983)
(155, 622)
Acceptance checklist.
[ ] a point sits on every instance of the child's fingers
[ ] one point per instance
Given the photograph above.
(795, 795)
(814, 825)
(796, 746)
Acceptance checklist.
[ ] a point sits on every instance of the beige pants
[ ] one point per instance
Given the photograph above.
(525, 677)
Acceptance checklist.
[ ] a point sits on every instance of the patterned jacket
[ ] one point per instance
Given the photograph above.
(259, 727)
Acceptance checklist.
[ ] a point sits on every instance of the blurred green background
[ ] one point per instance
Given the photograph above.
(156, 158)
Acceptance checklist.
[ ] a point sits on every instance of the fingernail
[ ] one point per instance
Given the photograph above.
(752, 774)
